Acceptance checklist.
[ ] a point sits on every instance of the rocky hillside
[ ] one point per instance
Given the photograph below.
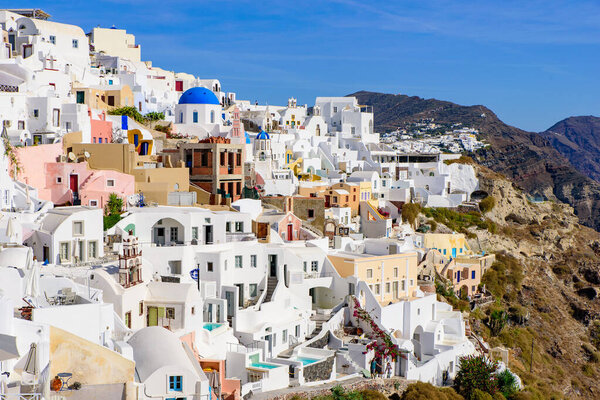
(527, 158)
(578, 139)
(546, 283)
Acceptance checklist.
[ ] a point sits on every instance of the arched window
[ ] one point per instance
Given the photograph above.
(212, 117)
(195, 116)
(181, 118)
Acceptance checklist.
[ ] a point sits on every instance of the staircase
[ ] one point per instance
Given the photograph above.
(271, 285)
(319, 319)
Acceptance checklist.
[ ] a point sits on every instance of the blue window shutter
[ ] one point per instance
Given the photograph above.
(124, 122)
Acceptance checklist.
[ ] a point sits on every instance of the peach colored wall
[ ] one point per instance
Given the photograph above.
(283, 227)
(101, 129)
(33, 159)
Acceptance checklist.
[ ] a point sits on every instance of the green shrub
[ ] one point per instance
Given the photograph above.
(507, 383)
(163, 128)
(154, 116)
(111, 220)
(410, 212)
(476, 372)
(426, 391)
(487, 204)
(432, 224)
(369, 394)
(131, 112)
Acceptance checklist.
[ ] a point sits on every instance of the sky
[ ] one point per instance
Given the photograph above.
(532, 62)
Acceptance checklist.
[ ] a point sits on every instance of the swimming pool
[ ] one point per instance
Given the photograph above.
(211, 326)
(306, 361)
(263, 365)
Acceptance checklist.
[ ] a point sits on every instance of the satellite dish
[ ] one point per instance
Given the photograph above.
(86, 154)
(72, 156)
(133, 200)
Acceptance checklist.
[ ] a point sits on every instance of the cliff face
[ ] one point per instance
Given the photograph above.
(527, 158)
(578, 139)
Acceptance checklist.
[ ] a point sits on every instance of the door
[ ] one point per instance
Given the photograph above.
(159, 234)
(74, 183)
(210, 313)
(273, 265)
(229, 299)
(312, 294)
(208, 234)
(454, 252)
(290, 231)
(152, 316)
(269, 340)
(45, 253)
(144, 149)
(240, 294)
(80, 97)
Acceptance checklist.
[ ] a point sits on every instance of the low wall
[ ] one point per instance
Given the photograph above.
(319, 371)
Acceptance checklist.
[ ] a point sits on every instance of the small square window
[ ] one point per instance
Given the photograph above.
(253, 290)
(75, 43)
(369, 273)
(314, 266)
(52, 39)
(110, 182)
(36, 113)
(59, 179)
(77, 228)
(170, 313)
(311, 213)
(377, 288)
(176, 383)
(209, 266)
(239, 226)
(93, 203)
(238, 261)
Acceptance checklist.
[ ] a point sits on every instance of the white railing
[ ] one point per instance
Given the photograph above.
(21, 396)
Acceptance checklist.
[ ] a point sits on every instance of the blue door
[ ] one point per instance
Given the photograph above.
(454, 252)
(144, 149)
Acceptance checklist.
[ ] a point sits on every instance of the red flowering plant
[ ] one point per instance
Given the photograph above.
(382, 343)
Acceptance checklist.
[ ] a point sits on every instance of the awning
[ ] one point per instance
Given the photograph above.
(8, 347)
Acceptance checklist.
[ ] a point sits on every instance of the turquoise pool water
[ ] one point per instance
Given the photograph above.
(211, 326)
(307, 361)
(263, 365)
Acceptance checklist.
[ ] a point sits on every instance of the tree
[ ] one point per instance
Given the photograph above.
(476, 372)
(426, 391)
(114, 204)
(410, 212)
(507, 383)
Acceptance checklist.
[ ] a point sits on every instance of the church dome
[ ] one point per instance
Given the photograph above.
(198, 95)
(262, 135)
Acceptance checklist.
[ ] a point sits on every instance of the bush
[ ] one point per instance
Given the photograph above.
(507, 383)
(114, 204)
(163, 128)
(504, 278)
(111, 220)
(479, 395)
(487, 204)
(476, 372)
(410, 212)
(426, 391)
(131, 112)
(154, 116)
(432, 224)
(369, 394)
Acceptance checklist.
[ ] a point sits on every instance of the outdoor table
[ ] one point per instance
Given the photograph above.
(65, 377)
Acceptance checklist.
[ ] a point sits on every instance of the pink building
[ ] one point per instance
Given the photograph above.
(66, 182)
(286, 224)
(101, 128)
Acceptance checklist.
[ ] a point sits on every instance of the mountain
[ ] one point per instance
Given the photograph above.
(527, 158)
(578, 139)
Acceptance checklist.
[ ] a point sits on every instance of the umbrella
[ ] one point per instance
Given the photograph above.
(8, 347)
(31, 364)
(10, 228)
(32, 289)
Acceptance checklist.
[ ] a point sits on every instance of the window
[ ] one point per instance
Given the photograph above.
(253, 260)
(75, 43)
(387, 287)
(403, 284)
(239, 226)
(195, 117)
(175, 383)
(284, 335)
(59, 179)
(305, 266)
(314, 266)
(77, 228)
(193, 310)
(110, 182)
(128, 319)
(311, 213)
(64, 251)
(334, 109)
(170, 313)
(227, 226)
(174, 233)
(36, 113)
(412, 282)
(297, 331)
(472, 274)
(377, 288)
(195, 232)
(369, 273)
(111, 100)
(141, 308)
(21, 125)
(253, 290)
(418, 311)
(99, 140)
(92, 249)
(93, 203)
(52, 39)
(209, 266)
(238, 261)
(395, 272)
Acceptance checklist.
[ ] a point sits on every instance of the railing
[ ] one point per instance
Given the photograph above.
(9, 89)
(240, 348)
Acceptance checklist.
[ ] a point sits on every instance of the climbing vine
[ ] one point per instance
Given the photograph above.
(9, 151)
(383, 344)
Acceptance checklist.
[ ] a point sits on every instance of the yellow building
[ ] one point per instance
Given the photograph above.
(451, 245)
(391, 278)
(105, 97)
(154, 183)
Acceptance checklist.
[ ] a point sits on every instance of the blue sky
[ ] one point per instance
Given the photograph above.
(532, 62)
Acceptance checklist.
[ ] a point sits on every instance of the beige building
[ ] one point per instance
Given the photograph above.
(104, 97)
(116, 42)
(155, 183)
(391, 278)
(450, 245)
